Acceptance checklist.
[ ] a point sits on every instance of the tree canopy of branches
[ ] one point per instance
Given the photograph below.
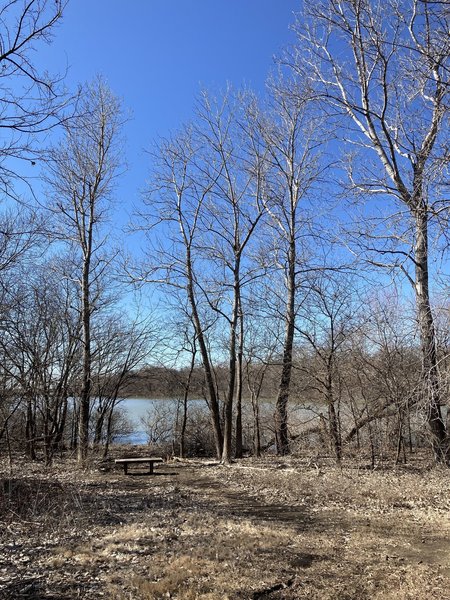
(381, 70)
(83, 169)
(31, 101)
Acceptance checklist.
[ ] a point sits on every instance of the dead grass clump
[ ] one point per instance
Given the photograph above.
(407, 582)
(36, 500)
(133, 532)
(183, 577)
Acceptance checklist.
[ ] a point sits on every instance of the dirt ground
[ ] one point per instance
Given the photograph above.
(273, 529)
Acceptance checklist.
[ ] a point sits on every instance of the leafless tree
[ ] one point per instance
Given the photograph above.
(289, 134)
(185, 341)
(382, 375)
(119, 348)
(259, 356)
(208, 191)
(232, 213)
(326, 320)
(82, 173)
(39, 342)
(381, 70)
(175, 203)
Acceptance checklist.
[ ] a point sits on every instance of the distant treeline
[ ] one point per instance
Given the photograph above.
(167, 382)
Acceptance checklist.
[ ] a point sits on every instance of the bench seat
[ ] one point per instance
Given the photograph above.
(151, 461)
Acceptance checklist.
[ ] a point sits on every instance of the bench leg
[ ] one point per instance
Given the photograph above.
(151, 468)
(125, 468)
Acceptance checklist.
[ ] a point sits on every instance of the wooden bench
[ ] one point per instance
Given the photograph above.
(137, 461)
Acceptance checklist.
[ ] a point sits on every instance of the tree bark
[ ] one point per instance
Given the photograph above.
(239, 441)
(239, 386)
(281, 414)
(334, 426)
(430, 374)
(85, 396)
(30, 429)
(187, 387)
(256, 427)
(213, 400)
(228, 408)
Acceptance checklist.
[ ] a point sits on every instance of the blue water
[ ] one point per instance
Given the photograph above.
(137, 408)
(137, 438)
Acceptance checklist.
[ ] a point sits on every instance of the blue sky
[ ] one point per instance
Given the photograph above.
(157, 54)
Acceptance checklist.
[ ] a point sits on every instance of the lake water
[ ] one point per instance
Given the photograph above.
(138, 408)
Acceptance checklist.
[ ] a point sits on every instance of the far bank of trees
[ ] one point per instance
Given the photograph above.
(282, 234)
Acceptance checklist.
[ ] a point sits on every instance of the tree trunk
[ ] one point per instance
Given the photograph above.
(48, 431)
(108, 434)
(239, 386)
(213, 400)
(58, 441)
(30, 429)
(99, 423)
(281, 415)
(334, 430)
(430, 372)
(185, 404)
(256, 427)
(85, 396)
(228, 409)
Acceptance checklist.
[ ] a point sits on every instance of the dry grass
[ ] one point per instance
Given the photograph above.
(260, 529)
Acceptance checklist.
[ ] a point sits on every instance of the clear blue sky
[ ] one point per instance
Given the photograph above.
(157, 54)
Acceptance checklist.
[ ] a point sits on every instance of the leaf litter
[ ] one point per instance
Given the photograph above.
(262, 528)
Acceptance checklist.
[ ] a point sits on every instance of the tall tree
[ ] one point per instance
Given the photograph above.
(293, 166)
(233, 211)
(208, 191)
(383, 67)
(176, 200)
(81, 178)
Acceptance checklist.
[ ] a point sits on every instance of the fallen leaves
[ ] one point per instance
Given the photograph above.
(262, 528)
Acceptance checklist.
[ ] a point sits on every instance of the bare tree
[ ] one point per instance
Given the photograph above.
(328, 317)
(119, 348)
(384, 66)
(293, 166)
(182, 407)
(231, 216)
(382, 375)
(208, 190)
(40, 346)
(176, 201)
(184, 343)
(260, 347)
(83, 170)
(31, 101)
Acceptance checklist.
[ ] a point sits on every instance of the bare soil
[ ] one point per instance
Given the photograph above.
(260, 529)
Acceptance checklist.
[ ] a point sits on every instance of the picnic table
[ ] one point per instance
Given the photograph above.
(150, 460)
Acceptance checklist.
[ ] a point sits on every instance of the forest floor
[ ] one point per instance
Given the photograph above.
(260, 529)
